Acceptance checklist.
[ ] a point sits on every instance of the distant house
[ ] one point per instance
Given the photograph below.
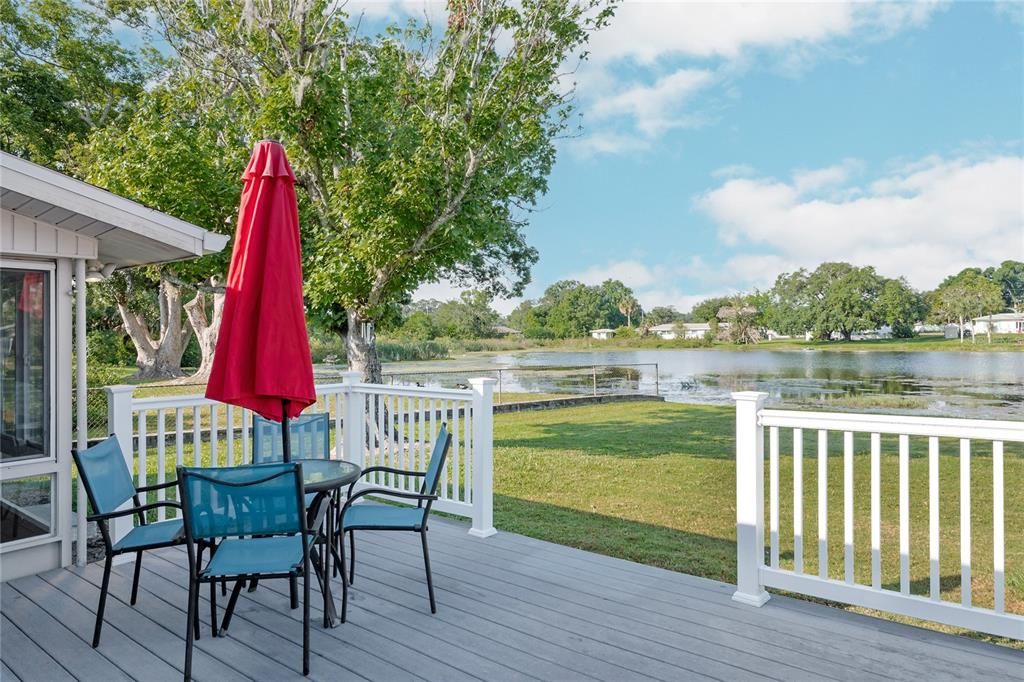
(1003, 323)
(681, 330)
(602, 334)
(502, 330)
(923, 328)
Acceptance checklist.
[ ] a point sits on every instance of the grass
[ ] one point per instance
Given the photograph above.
(655, 483)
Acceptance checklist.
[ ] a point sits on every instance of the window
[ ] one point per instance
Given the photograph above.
(24, 365)
(25, 508)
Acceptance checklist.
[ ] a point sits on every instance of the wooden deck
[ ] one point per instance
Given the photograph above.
(510, 608)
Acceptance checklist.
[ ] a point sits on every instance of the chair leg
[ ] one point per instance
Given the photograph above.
(213, 607)
(426, 563)
(103, 601)
(351, 559)
(192, 627)
(235, 591)
(293, 591)
(135, 580)
(344, 581)
(305, 615)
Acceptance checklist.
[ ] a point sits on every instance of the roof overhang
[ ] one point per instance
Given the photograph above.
(127, 233)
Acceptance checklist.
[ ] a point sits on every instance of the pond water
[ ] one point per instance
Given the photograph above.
(982, 385)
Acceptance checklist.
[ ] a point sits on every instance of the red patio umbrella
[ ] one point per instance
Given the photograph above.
(262, 359)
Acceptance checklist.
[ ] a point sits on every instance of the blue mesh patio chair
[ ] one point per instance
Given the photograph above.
(257, 513)
(310, 438)
(108, 484)
(370, 516)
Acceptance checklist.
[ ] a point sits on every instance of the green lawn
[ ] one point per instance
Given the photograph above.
(655, 483)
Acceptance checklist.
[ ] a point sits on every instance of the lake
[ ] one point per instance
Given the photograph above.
(982, 385)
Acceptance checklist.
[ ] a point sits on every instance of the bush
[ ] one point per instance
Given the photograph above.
(109, 347)
(625, 332)
(402, 351)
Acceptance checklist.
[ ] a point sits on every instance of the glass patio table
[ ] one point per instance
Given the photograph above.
(325, 477)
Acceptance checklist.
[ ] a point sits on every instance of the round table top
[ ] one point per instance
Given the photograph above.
(319, 475)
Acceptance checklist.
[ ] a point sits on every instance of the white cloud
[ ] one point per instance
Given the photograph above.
(820, 178)
(654, 108)
(924, 220)
(689, 48)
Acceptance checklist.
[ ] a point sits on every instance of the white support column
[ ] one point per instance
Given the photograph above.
(82, 407)
(353, 426)
(749, 498)
(483, 457)
(119, 423)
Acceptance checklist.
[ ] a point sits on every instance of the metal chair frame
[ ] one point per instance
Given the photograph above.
(424, 500)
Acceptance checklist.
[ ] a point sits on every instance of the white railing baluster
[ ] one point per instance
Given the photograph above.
(403, 443)
(965, 522)
(246, 457)
(848, 505)
(161, 462)
(456, 464)
(823, 503)
(214, 456)
(904, 514)
(798, 500)
(933, 517)
(143, 464)
(229, 435)
(468, 451)
(773, 494)
(876, 511)
(998, 538)
(197, 438)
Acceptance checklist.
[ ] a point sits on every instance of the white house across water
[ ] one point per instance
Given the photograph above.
(56, 233)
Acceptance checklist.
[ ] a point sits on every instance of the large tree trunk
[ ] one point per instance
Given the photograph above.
(361, 348)
(206, 330)
(160, 357)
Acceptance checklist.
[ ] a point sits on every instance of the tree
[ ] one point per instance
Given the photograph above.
(419, 326)
(628, 305)
(417, 155)
(843, 299)
(742, 319)
(573, 309)
(708, 309)
(1010, 277)
(900, 307)
(965, 296)
(62, 74)
(470, 317)
(174, 161)
(788, 308)
(662, 315)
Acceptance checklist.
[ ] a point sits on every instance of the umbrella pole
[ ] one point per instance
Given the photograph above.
(286, 436)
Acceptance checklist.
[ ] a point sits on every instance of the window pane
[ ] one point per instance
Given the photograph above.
(24, 364)
(25, 508)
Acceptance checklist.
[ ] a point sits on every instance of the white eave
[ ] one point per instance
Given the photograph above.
(125, 232)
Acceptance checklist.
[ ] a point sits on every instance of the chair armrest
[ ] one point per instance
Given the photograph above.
(155, 486)
(132, 510)
(386, 492)
(390, 470)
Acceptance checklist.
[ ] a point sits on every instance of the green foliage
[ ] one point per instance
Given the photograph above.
(625, 332)
(966, 295)
(419, 326)
(471, 317)
(108, 347)
(707, 310)
(63, 73)
(1010, 277)
(662, 315)
(900, 307)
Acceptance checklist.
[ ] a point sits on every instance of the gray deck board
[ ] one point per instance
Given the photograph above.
(509, 608)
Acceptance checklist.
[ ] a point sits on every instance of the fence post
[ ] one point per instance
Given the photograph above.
(749, 498)
(119, 423)
(483, 457)
(354, 420)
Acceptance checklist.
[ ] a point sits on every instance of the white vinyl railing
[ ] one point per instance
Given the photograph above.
(371, 425)
(756, 571)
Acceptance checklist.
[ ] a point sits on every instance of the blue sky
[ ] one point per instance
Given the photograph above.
(726, 143)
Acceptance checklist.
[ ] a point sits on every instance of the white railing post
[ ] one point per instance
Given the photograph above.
(119, 423)
(353, 424)
(483, 457)
(749, 498)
